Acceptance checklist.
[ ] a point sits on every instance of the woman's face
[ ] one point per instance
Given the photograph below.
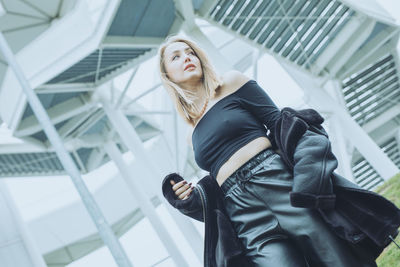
(181, 64)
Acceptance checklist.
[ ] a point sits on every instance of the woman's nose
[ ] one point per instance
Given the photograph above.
(187, 58)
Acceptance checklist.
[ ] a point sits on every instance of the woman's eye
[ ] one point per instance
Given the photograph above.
(192, 53)
(174, 57)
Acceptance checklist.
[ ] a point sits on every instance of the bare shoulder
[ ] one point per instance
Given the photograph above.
(233, 80)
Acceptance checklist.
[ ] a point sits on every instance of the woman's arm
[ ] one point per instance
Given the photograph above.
(314, 164)
(254, 99)
(306, 150)
(187, 201)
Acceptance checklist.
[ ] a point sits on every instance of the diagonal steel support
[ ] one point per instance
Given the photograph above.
(144, 202)
(132, 140)
(94, 211)
(18, 240)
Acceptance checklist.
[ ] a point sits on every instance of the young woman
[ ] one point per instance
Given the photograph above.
(230, 115)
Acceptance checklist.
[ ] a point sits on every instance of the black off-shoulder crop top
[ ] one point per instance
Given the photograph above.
(231, 123)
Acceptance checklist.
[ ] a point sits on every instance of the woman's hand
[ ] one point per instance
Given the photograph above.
(182, 189)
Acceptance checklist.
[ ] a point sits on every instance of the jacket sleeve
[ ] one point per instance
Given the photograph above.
(191, 206)
(254, 99)
(314, 164)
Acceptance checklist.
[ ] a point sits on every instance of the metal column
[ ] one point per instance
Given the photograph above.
(143, 201)
(15, 238)
(105, 230)
(340, 149)
(132, 141)
(256, 56)
(397, 138)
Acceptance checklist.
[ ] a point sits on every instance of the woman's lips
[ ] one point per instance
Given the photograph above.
(190, 66)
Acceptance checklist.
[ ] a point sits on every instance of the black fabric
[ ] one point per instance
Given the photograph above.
(362, 218)
(268, 225)
(244, 173)
(221, 245)
(373, 214)
(231, 123)
(191, 206)
(307, 149)
(357, 215)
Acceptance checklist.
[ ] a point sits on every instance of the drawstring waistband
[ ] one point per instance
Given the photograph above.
(245, 172)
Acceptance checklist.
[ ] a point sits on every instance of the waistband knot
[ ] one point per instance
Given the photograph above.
(242, 176)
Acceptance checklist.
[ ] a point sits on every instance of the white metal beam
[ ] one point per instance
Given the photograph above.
(206, 7)
(95, 158)
(185, 8)
(372, 9)
(131, 42)
(79, 161)
(93, 209)
(253, 43)
(397, 137)
(145, 205)
(75, 36)
(2, 11)
(256, 56)
(320, 99)
(135, 145)
(386, 116)
(94, 118)
(17, 246)
(29, 145)
(128, 84)
(340, 147)
(131, 139)
(218, 60)
(156, 86)
(130, 64)
(34, 60)
(176, 141)
(386, 135)
(73, 123)
(350, 46)
(303, 52)
(85, 141)
(335, 47)
(133, 112)
(373, 50)
(57, 113)
(64, 88)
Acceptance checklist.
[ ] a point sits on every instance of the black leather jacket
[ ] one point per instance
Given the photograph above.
(356, 215)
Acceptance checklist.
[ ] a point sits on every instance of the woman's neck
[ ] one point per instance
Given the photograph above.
(197, 87)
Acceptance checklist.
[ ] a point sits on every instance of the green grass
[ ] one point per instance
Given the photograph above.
(390, 257)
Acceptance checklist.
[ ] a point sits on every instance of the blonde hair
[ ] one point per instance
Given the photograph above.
(182, 98)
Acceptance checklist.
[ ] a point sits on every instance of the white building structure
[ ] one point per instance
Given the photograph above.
(80, 101)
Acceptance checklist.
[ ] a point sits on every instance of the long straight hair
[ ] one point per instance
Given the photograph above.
(182, 98)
